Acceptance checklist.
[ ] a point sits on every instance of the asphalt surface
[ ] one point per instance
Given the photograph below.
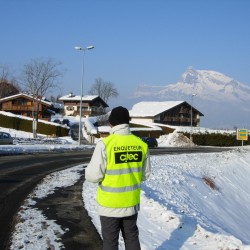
(66, 207)
(20, 174)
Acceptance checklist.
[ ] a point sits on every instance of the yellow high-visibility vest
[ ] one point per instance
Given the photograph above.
(121, 184)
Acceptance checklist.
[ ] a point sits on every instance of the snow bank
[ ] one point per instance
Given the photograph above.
(174, 139)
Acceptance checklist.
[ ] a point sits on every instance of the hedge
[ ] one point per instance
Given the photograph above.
(26, 125)
(216, 139)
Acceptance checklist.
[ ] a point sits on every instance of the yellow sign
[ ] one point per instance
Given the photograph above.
(242, 134)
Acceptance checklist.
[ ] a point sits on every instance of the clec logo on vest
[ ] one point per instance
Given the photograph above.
(127, 154)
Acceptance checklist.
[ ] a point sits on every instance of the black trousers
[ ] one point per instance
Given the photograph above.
(111, 227)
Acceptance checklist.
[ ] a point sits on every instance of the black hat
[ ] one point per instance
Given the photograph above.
(119, 115)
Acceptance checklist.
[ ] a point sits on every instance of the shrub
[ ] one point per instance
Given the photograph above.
(26, 125)
(210, 182)
(217, 139)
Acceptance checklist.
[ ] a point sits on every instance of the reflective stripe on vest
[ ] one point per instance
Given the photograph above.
(121, 189)
(122, 180)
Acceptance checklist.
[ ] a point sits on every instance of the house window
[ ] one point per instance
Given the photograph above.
(22, 102)
(69, 108)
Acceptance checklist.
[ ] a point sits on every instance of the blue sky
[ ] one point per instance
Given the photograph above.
(136, 41)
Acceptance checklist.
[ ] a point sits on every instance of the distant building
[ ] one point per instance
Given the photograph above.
(175, 113)
(25, 105)
(92, 105)
(139, 130)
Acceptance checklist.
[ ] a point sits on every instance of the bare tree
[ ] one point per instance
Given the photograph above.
(4, 73)
(39, 76)
(8, 83)
(103, 89)
(8, 89)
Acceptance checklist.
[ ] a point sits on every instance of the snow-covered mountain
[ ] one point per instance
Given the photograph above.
(224, 101)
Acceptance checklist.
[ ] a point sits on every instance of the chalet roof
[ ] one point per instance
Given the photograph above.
(86, 98)
(78, 97)
(151, 109)
(30, 97)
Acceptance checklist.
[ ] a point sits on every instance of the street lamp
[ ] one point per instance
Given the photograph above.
(191, 122)
(80, 122)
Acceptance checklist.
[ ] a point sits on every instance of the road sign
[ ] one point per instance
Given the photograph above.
(242, 134)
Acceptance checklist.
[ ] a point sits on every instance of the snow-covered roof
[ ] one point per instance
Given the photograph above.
(146, 126)
(23, 95)
(85, 98)
(150, 109)
(71, 97)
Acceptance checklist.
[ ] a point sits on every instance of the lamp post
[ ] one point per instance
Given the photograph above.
(80, 121)
(191, 116)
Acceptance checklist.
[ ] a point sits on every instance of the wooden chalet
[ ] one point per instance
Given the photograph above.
(25, 105)
(92, 105)
(175, 113)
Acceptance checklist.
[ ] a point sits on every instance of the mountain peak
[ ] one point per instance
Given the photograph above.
(190, 76)
(216, 92)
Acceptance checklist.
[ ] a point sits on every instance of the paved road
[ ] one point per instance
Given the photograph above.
(187, 150)
(20, 174)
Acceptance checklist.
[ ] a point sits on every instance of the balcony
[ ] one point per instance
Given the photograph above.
(178, 121)
(19, 108)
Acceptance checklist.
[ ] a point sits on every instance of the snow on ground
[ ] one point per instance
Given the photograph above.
(24, 143)
(178, 209)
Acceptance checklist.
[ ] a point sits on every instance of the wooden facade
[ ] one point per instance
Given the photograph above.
(25, 105)
(91, 105)
(181, 114)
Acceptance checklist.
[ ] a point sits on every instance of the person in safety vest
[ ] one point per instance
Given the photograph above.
(119, 164)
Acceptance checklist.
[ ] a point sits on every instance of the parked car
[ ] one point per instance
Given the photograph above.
(151, 141)
(5, 138)
(66, 122)
(57, 121)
